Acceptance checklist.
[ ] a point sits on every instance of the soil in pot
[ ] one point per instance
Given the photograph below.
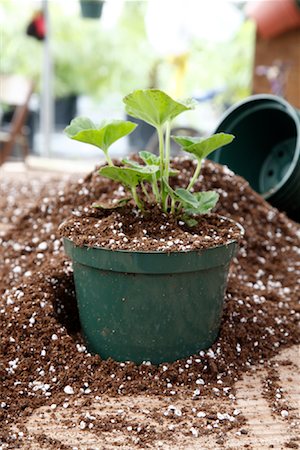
(43, 358)
(126, 229)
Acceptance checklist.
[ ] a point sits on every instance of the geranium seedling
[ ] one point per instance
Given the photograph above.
(159, 110)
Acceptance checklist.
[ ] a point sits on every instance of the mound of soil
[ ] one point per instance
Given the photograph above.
(43, 358)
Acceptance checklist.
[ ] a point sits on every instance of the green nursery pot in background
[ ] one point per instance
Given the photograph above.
(156, 307)
(266, 151)
(91, 9)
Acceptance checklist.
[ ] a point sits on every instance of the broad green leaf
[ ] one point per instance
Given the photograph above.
(206, 202)
(131, 163)
(154, 167)
(186, 141)
(198, 202)
(187, 197)
(148, 170)
(205, 197)
(202, 147)
(153, 106)
(79, 124)
(103, 136)
(149, 158)
(128, 176)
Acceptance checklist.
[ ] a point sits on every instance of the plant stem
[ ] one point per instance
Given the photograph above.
(145, 191)
(161, 150)
(167, 151)
(167, 166)
(136, 199)
(161, 165)
(166, 203)
(155, 188)
(196, 175)
(108, 159)
(173, 204)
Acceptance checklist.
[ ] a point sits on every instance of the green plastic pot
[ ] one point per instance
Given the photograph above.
(266, 150)
(158, 307)
(91, 9)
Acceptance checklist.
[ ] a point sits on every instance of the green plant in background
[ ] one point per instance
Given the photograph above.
(235, 75)
(157, 109)
(86, 58)
(89, 60)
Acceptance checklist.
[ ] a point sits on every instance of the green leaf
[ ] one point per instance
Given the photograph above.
(128, 176)
(186, 197)
(198, 202)
(79, 124)
(206, 202)
(202, 147)
(149, 158)
(131, 163)
(103, 136)
(153, 162)
(153, 106)
(186, 141)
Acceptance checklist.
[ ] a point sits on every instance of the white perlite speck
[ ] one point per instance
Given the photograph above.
(32, 321)
(172, 409)
(43, 246)
(284, 413)
(68, 390)
(82, 425)
(225, 416)
(194, 432)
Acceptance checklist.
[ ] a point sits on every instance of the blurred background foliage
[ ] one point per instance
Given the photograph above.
(93, 60)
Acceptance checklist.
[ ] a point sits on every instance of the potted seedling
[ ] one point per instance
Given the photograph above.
(142, 297)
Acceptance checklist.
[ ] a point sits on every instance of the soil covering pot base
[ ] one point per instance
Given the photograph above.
(149, 306)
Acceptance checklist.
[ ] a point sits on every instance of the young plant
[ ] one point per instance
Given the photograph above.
(157, 109)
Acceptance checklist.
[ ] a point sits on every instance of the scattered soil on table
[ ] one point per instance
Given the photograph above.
(19, 192)
(43, 358)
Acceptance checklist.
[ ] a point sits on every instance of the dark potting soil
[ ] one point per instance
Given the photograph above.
(126, 229)
(43, 358)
